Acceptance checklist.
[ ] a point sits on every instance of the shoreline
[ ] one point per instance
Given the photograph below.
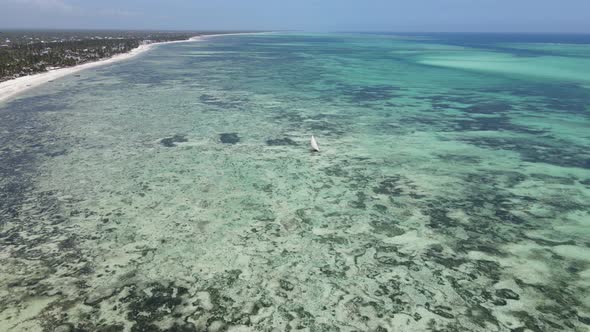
(12, 88)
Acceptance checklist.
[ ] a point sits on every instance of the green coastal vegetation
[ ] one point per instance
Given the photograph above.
(28, 52)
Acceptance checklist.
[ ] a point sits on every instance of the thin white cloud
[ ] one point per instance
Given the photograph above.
(64, 8)
(117, 13)
(45, 5)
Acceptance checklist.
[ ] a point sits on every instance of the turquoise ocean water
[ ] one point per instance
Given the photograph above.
(176, 191)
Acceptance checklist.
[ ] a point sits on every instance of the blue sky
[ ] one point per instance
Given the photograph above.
(311, 15)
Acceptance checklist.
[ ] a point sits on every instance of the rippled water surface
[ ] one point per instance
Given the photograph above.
(176, 191)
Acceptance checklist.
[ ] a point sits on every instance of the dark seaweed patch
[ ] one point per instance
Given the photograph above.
(373, 93)
(225, 103)
(431, 122)
(280, 141)
(481, 315)
(23, 142)
(454, 98)
(439, 218)
(390, 255)
(228, 101)
(490, 269)
(56, 153)
(549, 179)
(360, 202)
(495, 123)
(566, 106)
(386, 227)
(390, 187)
(507, 294)
(395, 186)
(530, 322)
(443, 313)
(565, 314)
(563, 98)
(130, 75)
(440, 310)
(487, 108)
(365, 94)
(335, 170)
(449, 261)
(170, 142)
(229, 138)
(327, 128)
(380, 208)
(507, 179)
(459, 158)
(326, 124)
(537, 150)
(482, 245)
(208, 99)
(286, 285)
(158, 303)
(44, 103)
(424, 119)
(176, 327)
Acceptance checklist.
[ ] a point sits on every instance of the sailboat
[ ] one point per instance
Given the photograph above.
(314, 144)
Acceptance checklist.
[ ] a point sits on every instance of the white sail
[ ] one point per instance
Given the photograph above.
(314, 144)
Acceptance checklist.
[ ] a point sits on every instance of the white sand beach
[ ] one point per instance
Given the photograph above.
(12, 88)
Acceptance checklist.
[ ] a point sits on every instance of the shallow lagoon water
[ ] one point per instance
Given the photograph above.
(176, 191)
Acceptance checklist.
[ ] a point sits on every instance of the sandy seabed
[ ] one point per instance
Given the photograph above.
(177, 192)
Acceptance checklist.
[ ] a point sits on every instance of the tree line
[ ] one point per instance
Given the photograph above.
(25, 58)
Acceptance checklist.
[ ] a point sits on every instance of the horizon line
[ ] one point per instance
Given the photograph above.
(290, 30)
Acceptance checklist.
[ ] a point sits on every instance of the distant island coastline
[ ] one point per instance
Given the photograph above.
(39, 64)
(24, 53)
